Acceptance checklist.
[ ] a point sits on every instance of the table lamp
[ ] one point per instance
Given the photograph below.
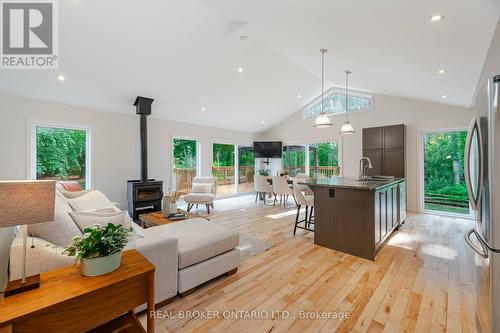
(21, 203)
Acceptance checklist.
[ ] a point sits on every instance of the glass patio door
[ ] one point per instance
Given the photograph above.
(185, 165)
(445, 189)
(324, 160)
(294, 159)
(246, 169)
(224, 168)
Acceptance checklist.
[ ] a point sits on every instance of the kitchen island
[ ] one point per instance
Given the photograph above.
(357, 216)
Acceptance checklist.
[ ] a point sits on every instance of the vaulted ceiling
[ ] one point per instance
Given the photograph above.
(186, 54)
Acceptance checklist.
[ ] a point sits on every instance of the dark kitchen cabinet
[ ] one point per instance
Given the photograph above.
(386, 213)
(376, 157)
(372, 138)
(385, 146)
(401, 202)
(393, 163)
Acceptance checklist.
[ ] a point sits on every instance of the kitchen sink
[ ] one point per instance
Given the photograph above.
(375, 178)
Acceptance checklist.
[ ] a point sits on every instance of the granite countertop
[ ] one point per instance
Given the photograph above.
(352, 183)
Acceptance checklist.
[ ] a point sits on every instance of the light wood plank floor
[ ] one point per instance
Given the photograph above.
(420, 282)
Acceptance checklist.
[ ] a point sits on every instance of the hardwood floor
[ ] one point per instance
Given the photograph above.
(420, 282)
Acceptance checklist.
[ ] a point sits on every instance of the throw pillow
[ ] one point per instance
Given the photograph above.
(105, 216)
(90, 201)
(86, 219)
(202, 188)
(77, 194)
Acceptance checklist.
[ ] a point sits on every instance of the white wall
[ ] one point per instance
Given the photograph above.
(417, 115)
(492, 62)
(115, 142)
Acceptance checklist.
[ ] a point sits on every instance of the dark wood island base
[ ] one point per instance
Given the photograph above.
(357, 217)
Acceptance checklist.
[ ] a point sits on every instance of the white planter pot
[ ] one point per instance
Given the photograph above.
(169, 208)
(101, 266)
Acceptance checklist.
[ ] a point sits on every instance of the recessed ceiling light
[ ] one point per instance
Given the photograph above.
(61, 78)
(444, 96)
(263, 122)
(436, 18)
(240, 69)
(203, 109)
(299, 96)
(243, 38)
(442, 71)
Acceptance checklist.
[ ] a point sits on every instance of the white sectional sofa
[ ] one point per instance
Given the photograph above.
(185, 254)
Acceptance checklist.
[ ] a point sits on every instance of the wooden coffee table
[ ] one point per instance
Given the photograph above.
(156, 218)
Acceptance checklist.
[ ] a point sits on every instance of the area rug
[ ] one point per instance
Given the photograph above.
(250, 246)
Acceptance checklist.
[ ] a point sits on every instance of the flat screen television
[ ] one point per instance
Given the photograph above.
(267, 149)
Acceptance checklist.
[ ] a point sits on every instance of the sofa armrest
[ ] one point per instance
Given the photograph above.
(161, 250)
(43, 257)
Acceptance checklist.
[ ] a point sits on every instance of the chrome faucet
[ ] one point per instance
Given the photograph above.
(362, 167)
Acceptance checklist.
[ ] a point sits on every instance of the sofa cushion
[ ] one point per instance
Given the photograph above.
(199, 197)
(62, 229)
(200, 240)
(90, 201)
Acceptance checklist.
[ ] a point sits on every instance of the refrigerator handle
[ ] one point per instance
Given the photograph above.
(482, 252)
(474, 200)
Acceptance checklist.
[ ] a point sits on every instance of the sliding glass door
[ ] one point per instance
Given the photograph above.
(246, 169)
(294, 159)
(223, 168)
(445, 190)
(185, 164)
(324, 160)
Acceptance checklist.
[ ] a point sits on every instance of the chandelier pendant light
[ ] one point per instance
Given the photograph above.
(322, 120)
(347, 127)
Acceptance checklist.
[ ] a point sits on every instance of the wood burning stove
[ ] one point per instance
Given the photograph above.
(144, 195)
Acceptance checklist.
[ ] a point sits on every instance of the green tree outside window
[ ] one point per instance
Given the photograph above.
(61, 154)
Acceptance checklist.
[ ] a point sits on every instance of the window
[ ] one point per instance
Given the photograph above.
(324, 160)
(294, 159)
(185, 163)
(223, 168)
(61, 153)
(246, 169)
(335, 103)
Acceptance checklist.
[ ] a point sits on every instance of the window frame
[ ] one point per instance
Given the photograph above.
(172, 158)
(340, 91)
(32, 147)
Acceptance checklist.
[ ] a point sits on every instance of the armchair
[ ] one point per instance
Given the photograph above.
(203, 192)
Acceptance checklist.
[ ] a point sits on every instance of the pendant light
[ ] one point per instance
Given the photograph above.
(347, 127)
(322, 119)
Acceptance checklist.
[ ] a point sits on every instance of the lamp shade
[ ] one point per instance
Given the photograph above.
(347, 128)
(322, 121)
(26, 202)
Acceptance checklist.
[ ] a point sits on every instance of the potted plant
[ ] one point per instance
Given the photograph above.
(263, 172)
(100, 248)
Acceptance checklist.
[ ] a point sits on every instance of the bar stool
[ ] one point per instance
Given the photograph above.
(301, 200)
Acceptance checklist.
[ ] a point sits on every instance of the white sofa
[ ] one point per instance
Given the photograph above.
(185, 254)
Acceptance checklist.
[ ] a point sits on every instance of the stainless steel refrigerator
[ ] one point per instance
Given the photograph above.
(482, 175)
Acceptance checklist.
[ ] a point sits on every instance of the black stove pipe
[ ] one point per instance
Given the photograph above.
(143, 109)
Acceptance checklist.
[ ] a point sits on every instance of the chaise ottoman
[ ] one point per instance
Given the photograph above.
(206, 250)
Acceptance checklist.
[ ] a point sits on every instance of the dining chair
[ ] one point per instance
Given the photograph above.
(281, 189)
(262, 187)
(302, 200)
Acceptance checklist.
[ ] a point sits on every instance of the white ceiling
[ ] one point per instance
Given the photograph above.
(185, 54)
